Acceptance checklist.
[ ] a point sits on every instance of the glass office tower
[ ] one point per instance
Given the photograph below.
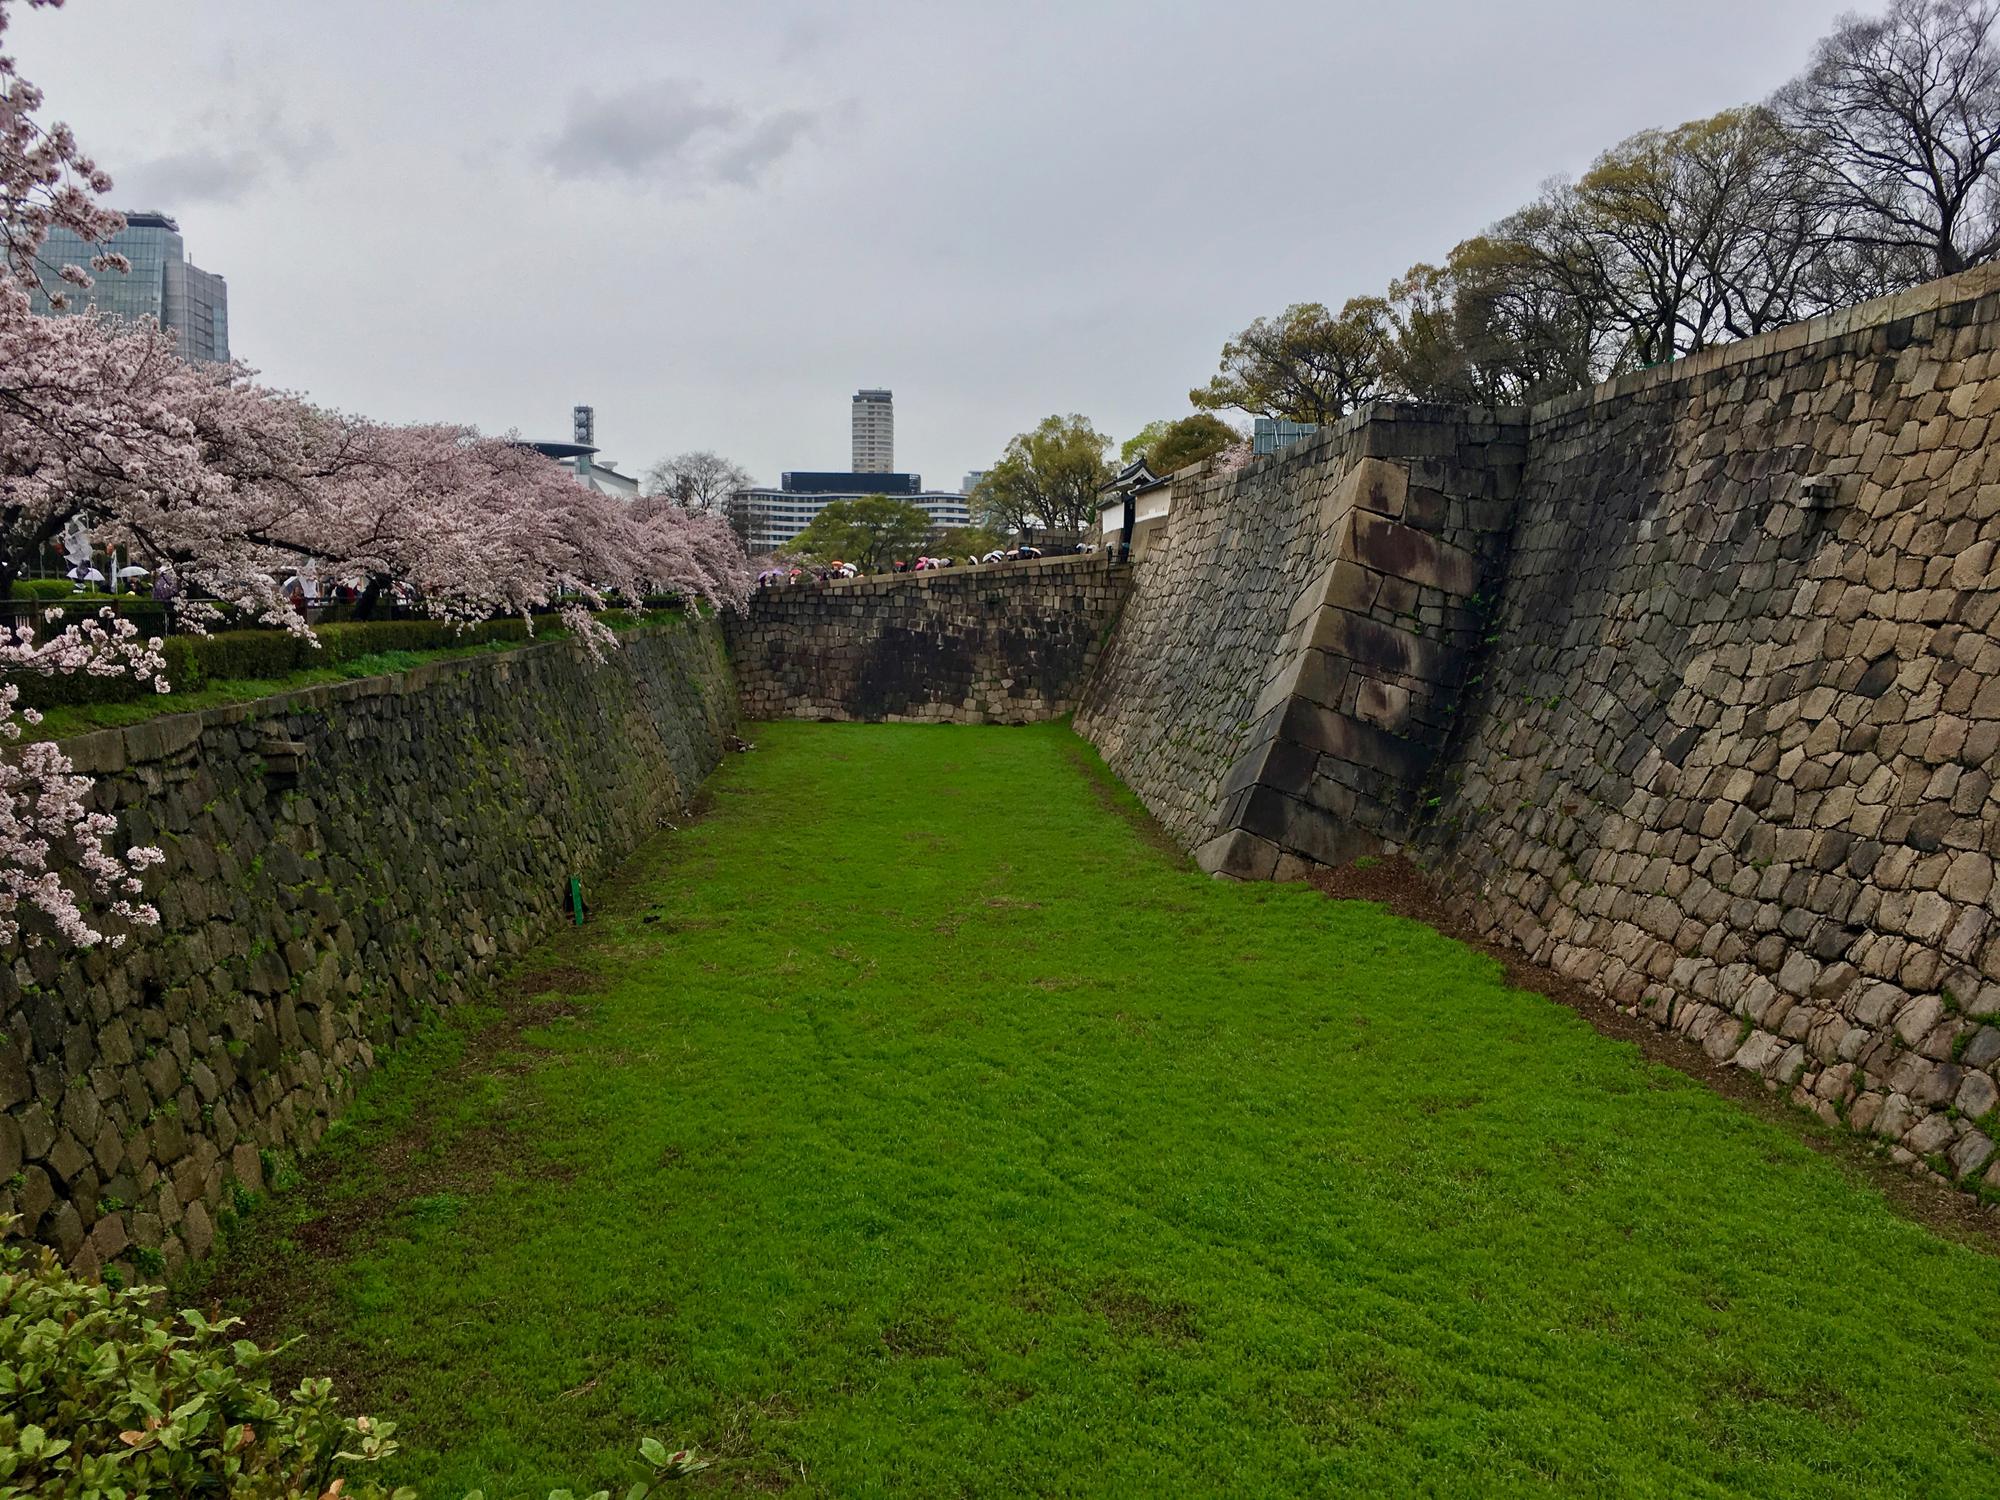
(163, 284)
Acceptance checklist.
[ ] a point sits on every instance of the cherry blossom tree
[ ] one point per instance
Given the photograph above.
(45, 811)
(236, 485)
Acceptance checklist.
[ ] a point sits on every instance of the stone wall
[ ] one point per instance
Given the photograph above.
(1010, 643)
(1287, 669)
(1731, 760)
(1689, 685)
(339, 862)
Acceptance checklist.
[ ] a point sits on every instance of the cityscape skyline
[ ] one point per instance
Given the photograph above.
(730, 338)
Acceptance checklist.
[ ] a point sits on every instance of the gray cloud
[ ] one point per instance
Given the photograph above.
(200, 175)
(766, 142)
(663, 132)
(210, 173)
(806, 38)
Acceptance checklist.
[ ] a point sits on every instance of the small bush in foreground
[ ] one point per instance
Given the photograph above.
(101, 1398)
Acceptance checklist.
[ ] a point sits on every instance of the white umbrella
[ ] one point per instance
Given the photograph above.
(86, 575)
(135, 571)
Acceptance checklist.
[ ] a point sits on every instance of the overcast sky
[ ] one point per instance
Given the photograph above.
(716, 221)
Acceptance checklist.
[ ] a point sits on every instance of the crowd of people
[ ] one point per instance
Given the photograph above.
(786, 574)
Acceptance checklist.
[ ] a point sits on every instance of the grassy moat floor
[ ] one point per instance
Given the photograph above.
(913, 1123)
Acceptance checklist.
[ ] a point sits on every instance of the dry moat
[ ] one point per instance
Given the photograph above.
(914, 1122)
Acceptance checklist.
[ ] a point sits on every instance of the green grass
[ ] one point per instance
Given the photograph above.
(916, 1126)
(61, 721)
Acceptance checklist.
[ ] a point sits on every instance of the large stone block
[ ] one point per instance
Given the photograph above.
(1348, 739)
(1404, 552)
(1382, 649)
(1297, 827)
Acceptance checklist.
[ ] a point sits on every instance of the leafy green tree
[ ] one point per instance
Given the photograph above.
(1305, 365)
(1140, 443)
(1189, 441)
(1047, 481)
(1169, 445)
(1531, 306)
(1427, 359)
(1492, 326)
(1675, 239)
(871, 533)
(968, 541)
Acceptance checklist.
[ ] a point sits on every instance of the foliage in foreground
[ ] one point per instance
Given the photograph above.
(100, 1397)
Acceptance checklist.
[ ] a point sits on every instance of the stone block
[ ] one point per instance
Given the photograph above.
(1238, 855)
(1296, 827)
(1383, 704)
(1404, 552)
(1382, 649)
(1348, 739)
(1321, 678)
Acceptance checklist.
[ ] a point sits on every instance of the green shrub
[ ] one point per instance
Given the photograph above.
(98, 1396)
(43, 588)
(101, 1398)
(148, 616)
(260, 655)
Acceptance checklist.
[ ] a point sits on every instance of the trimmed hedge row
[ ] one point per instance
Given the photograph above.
(235, 655)
(32, 609)
(52, 588)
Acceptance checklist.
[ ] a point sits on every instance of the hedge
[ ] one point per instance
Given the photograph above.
(264, 655)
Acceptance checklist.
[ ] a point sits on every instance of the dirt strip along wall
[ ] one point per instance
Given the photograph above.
(340, 861)
(1008, 643)
(1731, 760)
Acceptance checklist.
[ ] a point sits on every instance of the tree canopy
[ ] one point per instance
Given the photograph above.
(1305, 365)
(1169, 445)
(1140, 443)
(1902, 113)
(1877, 167)
(229, 486)
(1047, 480)
(872, 533)
(698, 480)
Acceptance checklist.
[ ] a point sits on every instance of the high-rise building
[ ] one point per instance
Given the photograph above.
(163, 284)
(971, 481)
(874, 432)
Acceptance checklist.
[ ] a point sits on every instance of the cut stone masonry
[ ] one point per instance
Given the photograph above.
(1008, 643)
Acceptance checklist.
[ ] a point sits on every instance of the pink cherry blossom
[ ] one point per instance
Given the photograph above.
(235, 485)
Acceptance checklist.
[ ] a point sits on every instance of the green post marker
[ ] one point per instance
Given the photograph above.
(576, 899)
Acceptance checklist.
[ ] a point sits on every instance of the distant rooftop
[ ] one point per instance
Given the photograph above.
(559, 450)
(824, 482)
